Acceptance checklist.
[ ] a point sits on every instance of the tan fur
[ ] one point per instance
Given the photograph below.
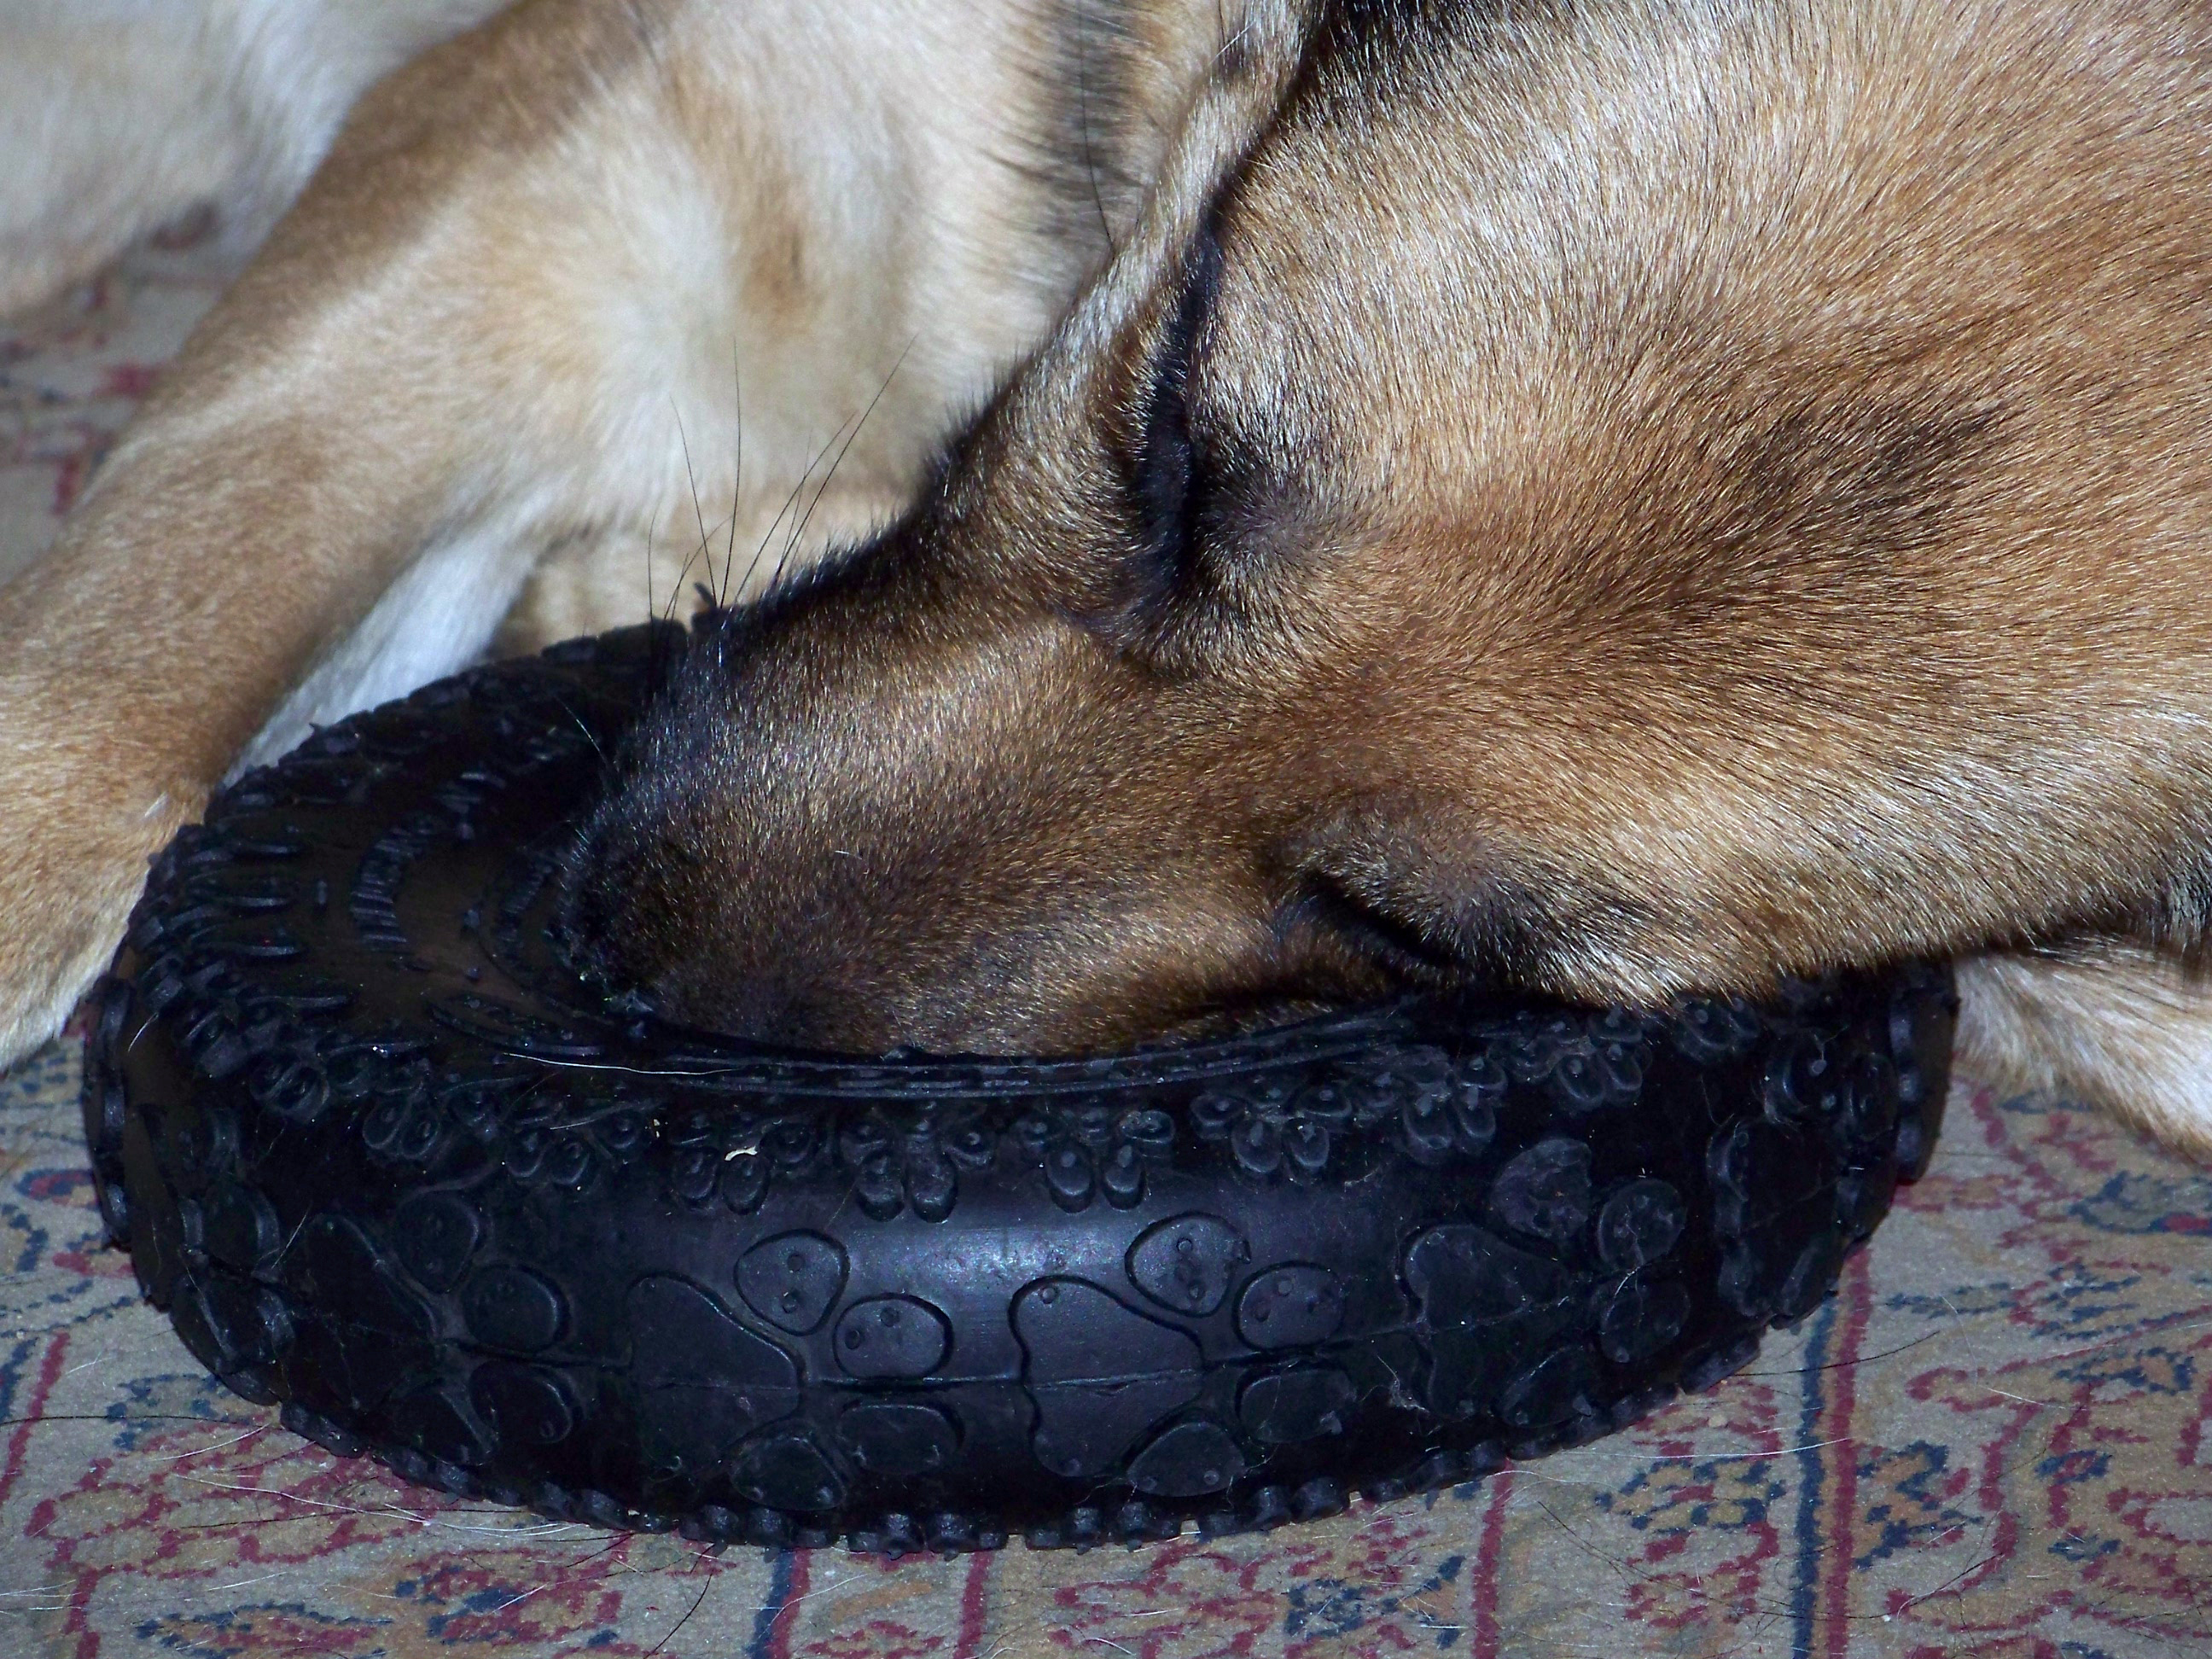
(516, 293)
(1740, 512)
(1723, 492)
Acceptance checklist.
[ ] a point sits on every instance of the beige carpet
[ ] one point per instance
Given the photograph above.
(1997, 1439)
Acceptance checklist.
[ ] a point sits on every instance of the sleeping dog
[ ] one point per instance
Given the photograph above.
(1213, 505)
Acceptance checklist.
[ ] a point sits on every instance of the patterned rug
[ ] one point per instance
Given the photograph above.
(1996, 1439)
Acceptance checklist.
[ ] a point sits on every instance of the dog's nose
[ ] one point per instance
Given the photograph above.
(601, 938)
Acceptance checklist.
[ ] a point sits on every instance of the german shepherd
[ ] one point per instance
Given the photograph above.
(1620, 498)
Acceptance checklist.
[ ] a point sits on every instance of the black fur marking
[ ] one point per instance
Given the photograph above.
(1081, 156)
(1362, 16)
(1350, 25)
(1169, 476)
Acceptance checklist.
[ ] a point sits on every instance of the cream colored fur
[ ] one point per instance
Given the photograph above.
(2107, 1022)
(556, 276)
(119, 116)
(479, 350)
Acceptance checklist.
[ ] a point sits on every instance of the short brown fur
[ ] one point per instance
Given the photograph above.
(1727, 496)
(1620, 498)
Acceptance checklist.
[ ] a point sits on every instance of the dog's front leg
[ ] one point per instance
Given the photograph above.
(309, 448)
(516, 307)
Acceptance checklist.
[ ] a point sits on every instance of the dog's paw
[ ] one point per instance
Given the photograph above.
(69, 875)
(2106, 1021)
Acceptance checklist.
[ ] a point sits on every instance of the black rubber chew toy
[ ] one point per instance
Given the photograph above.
(383, 1161)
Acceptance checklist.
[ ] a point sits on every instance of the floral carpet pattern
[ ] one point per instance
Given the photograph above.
(1996, 1439)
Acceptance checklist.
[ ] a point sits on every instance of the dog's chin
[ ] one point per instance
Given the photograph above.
(879, 1020)
(1245, 1018)
(627, 940)
(912, 1021)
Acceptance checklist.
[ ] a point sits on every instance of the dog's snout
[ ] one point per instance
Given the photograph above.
(831, 835)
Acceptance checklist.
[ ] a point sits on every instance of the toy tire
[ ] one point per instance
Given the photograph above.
(385, 1161)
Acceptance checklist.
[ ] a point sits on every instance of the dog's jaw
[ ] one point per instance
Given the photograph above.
(800, 842)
